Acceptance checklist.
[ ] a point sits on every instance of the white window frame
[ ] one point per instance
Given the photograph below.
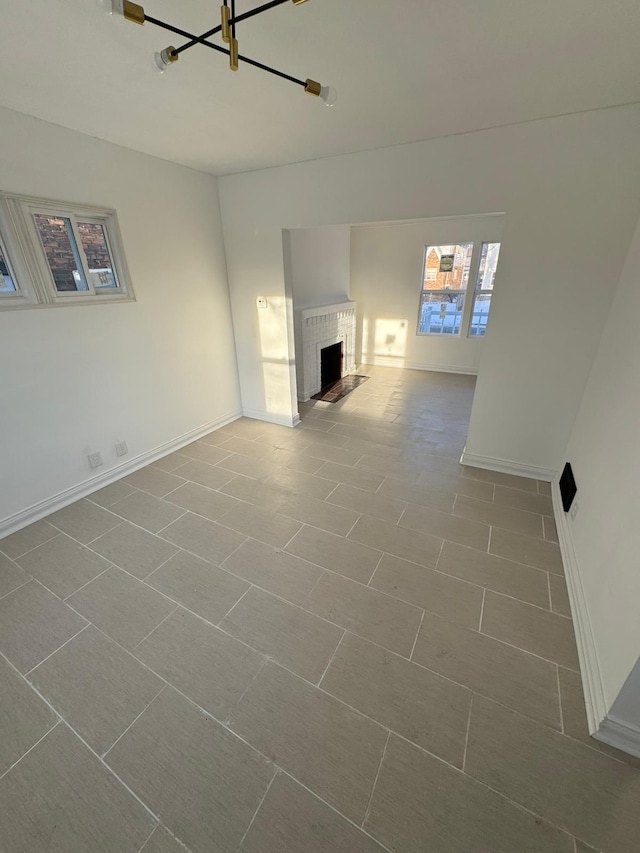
(465, 318)
(479, 291)
(33, 276)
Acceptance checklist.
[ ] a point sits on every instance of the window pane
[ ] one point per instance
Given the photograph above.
(96, 250)
(488, 265)
(441, 313)
(447, 267)
(481, 305)
(60, 248)
(7, 284)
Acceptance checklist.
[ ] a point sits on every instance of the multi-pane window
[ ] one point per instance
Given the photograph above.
(489, 253)
(69, 253)
(444, 284)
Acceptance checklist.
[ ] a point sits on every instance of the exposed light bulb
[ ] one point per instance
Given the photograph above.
(328, 94)
(165, 58)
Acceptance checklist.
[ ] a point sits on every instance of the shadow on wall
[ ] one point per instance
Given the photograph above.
(385, 338)
(276, 364)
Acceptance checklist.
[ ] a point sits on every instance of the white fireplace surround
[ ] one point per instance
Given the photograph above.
(316, 328)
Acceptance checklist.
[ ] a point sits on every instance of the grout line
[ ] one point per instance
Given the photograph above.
(95, 538)
(15, 589)
(24, 754)
(375, 781)
(344, 634)
(84, 627)
(20, 556)
(549, 588)
(308, 595)
(156, 627)
(415, 640)
(233, 606)
(380, 559)
(182, 515)
(255, 814)
(484, 595)
(148, 838)
(466, 737)
(402, 514)
(99, 575)
(159, 566)
(360, 514)
(337, 485)
(133, 722)
(489, 542)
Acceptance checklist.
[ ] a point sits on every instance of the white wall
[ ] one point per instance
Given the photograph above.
(570, 189)
(604, 451)
(147, 372)
(320, 263)
(386, 280)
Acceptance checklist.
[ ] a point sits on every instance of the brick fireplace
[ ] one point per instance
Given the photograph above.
(317, 329)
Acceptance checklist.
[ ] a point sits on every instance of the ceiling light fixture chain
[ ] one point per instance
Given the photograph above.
(228, 19)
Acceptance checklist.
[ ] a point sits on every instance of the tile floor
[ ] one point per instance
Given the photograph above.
(333, 638)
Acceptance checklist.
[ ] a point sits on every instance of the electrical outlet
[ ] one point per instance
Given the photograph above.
(574, 510)
(121, 448)
(95, 459)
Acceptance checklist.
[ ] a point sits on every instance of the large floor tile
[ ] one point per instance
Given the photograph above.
(133, 549)
(257, 469)
(108, 495)
(206, 475)
(11, 575)
(517, 499)
(146, 511)
(209, 667)
(420, 804)
(61, 799)
(454, 599)
(489, 667)
(269, 495)
(96, 686)
(495, 573)
(329, 452)
(84, 521)
(511, 481)
(201, 500)
(29, 537)
(343, 556)
(583, 791)
(295, 638)
(446, 526)
(266, 525)
(329, 748)
(333, 519)
(24, 717)
(198, 585)
(203, 783)
(421, 706)
(538, 631)
(206, 539)
(292, 820)
(434, 497)
(499, 516)
(295, 461)
(63, 565)
(360, 500)
(367, 612)
(153, 480)
(390, 467)
(356, 477)
(121, 606)
(550, 529)
(171, 461)
(407, 544)
(276, 571)
(527, 550)
(204, 452)
(33, 624)
(452, 482)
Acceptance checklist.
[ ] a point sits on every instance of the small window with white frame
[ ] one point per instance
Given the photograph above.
(69, 253)
(489, 254)
(445, 275)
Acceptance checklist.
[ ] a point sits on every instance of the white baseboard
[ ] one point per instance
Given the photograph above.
(620, 735)
(98, 481)
(403, 364)
(506, 466)
(592, 682)
(281, 420)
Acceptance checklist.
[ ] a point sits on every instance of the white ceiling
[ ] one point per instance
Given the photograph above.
(405, 71)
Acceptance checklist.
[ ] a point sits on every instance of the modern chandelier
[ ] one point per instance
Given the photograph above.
(166, 57)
